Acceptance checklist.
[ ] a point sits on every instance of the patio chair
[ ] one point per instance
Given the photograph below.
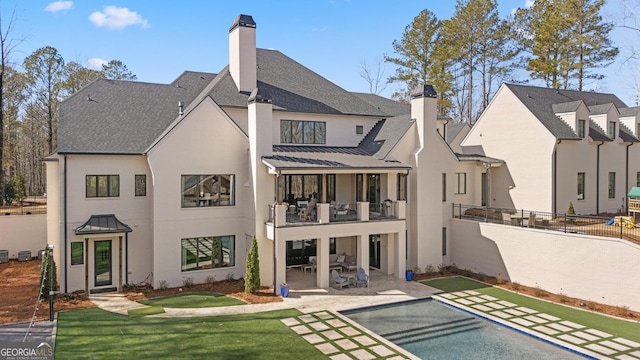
(531, 222)
(506, 218)
(306, 212)
(362, 278)
(338, 281)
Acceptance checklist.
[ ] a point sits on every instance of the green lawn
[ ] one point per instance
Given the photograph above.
(98, 334)
(193, 301)
(622, 328)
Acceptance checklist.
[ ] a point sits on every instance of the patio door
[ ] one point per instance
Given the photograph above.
(373, 188)
(102, 263)
(374, 251)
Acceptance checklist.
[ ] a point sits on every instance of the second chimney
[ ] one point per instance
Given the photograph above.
(242, 53)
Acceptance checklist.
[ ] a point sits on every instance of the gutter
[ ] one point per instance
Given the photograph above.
(626, 179)
(64, 200)
(598, 178)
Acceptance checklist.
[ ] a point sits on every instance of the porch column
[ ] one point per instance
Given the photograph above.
(323, 213)
(120, 263)
(322, 253)
(281, 260)
(86, 265)
(363, 252)
(400, 261)
(363, 211)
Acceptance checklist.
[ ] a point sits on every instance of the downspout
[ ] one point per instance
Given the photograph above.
(598, 178)
(555, 177)
(64, 200)
(126, 258)
(275, 247)
(626, 180)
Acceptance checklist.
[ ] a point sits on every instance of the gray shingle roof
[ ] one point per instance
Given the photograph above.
(292, 87)
(540, 102)
(123, 117)
(596, 133)
(385, 135)
(629, 111)
(326, 157)
(566, 107)
(479, 158)
(626, 134)
(387, 106)
(453, 129)
(600, 108)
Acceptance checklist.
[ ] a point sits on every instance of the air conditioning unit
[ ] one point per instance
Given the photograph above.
(4, 256)
(24, 255)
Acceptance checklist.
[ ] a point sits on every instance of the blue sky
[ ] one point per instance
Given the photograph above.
(157, 40)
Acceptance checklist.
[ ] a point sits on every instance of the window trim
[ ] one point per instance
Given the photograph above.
(581, 184)
(135, 185)
(611, 129)
(317, 126)
(582, 128)
(359, 130)
(109, 179)
(444, 187)
(612, 185)
(200, 240)
(402, 187)
(71, 258)
(462, 175)
(201, 200)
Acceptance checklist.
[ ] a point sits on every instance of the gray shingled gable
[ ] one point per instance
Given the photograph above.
(600, 109)
(384, 136)
(629, 111)
(292, 87)
(387, 106)
(626, 134)
(540, 102)
(566, 107)
(123, 117)
(596, 133)
(453, 129)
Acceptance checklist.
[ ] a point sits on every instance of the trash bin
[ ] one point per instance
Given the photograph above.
(409, 275)
(284, 290)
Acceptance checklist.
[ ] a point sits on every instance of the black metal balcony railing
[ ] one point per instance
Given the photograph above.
(338, 212)
(27, 206)
(384, 210)
(621, 227)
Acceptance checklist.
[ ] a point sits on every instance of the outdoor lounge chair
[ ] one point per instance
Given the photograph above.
(362, 278)
(531, 222)
(338, 281)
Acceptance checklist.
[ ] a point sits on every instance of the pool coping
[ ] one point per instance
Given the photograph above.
(521, 329)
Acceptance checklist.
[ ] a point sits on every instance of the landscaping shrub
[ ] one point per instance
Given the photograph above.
(252, 273)
(46, 274)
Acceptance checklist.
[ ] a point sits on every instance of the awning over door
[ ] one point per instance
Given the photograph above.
(102, 224)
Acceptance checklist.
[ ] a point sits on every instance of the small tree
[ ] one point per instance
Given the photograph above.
(571, 210)
(252, 273)
(46, 273)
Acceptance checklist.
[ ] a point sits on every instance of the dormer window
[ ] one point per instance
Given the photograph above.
(359, 129)
(581, 132)
(611, 130)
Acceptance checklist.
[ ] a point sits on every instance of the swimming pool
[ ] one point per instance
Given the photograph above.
(432, 330)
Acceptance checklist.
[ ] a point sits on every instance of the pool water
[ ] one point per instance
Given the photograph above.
(432, 330)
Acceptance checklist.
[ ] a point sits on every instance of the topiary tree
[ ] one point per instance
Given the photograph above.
(571, 210)
(252, 272)
(46, 274)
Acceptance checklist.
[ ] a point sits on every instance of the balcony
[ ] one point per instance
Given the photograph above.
(336, 212)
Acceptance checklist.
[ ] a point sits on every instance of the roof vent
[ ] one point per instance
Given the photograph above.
(180, 108)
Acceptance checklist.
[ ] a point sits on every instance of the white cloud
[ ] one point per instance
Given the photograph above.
(56, 6)
(114, 17)
(96, 63)
(528, 3)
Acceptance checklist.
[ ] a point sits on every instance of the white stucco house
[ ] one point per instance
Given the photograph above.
(559, 147)
(163, 182)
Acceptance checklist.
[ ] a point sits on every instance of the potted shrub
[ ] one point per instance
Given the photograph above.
(284, 290)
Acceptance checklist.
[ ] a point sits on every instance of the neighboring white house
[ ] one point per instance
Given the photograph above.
(560, 147)
(164, 182)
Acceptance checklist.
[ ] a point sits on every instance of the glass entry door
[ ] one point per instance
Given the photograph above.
(102, 262)
(374, 251)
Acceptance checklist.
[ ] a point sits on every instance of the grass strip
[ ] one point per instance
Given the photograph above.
(98, 334)
(146, 311)
(193, 301)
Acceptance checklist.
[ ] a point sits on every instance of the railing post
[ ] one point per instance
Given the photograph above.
(565, 223)
(453, 210)
(522, 217)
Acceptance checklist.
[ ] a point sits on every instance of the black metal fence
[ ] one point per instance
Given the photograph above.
(621, 227)
(27, 206)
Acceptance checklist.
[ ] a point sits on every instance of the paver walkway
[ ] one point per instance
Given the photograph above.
(577, 337)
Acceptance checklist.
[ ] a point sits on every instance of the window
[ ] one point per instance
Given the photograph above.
(208, 252)
(141, 185)
(402, 187)
(102, 186)
(359, 186)
(444, 241)
(638, 130)
(77, 253)
(581, 131)
(359, 129)
(611, 130)
(331, 187)
(444, 187)
(612, 185)
(461, 183)
(638, 179)
(580, 186)
(208, 190)
(484, 189)
(302, 132)
(298, 187)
